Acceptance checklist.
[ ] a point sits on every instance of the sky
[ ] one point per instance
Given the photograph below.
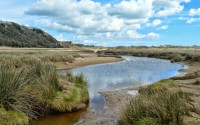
(110, 22)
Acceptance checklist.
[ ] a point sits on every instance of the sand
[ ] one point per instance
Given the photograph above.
(85, 60)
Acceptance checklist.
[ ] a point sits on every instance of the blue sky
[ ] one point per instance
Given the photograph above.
(110, 22)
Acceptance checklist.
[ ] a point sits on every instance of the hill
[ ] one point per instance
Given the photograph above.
(15, 35)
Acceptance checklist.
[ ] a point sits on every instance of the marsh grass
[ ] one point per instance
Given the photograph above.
(156, 105)
(14, 90)
(78, 80)
(30, 86)
(12, 117)
(24, 55)
(72, 97)
(174, 53)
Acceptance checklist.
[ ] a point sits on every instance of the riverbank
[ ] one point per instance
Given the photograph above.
(117, 100)
(85, 60)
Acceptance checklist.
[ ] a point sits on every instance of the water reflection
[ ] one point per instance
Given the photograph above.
(60, 119)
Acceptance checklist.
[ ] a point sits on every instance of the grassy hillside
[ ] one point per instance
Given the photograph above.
(12, 34)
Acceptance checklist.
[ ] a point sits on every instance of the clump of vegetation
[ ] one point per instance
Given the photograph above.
(12, 117)
(156, 105)
(161, 86)
(32, 87)
(188, 76)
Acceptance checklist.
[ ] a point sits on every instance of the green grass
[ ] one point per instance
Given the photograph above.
(156, 105)
(12, 117)
(161, 86)
(78, 80)
(72, 97)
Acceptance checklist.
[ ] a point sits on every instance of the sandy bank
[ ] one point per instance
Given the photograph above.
(85, 60)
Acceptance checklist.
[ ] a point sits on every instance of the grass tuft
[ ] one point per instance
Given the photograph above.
(156, 105)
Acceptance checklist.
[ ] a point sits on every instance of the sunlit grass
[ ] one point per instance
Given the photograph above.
(157, 104)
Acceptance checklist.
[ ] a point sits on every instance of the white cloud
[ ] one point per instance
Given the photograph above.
(153, 35)
(60, 37)
(156, 22)
(191, 20)
(140, 9)
(194, 16)
(194, 12)
(168, 7)
(135, 35)
(89, 42)
(87, 19)
(163, 27)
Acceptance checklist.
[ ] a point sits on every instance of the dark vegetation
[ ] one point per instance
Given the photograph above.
(173, 53)
(14, 35)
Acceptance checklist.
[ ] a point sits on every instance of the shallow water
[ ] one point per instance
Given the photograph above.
(60, 119)
(132, 72)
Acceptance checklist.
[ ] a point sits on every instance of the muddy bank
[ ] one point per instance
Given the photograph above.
(116, 100)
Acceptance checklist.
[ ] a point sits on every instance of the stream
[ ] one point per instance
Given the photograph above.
(130, 73)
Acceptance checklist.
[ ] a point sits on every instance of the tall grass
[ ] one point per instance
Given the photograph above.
(156, 106)
(32, 87)
(14, 90)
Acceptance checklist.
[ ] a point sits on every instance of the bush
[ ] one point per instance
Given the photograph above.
(177, 58)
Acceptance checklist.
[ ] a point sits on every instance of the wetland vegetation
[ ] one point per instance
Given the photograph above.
(31, 87)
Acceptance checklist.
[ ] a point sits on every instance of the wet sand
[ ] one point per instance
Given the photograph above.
(85, 60)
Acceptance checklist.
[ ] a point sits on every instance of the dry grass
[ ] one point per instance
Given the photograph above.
(174, 53)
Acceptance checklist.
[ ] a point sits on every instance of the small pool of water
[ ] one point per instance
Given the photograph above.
(132, 72)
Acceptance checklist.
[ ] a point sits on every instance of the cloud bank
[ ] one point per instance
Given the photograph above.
(89, 20)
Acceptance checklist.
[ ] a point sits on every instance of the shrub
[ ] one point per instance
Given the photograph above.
(177, 58)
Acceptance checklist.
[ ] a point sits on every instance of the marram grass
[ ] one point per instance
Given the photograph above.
(156, 105)
(32, 86)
